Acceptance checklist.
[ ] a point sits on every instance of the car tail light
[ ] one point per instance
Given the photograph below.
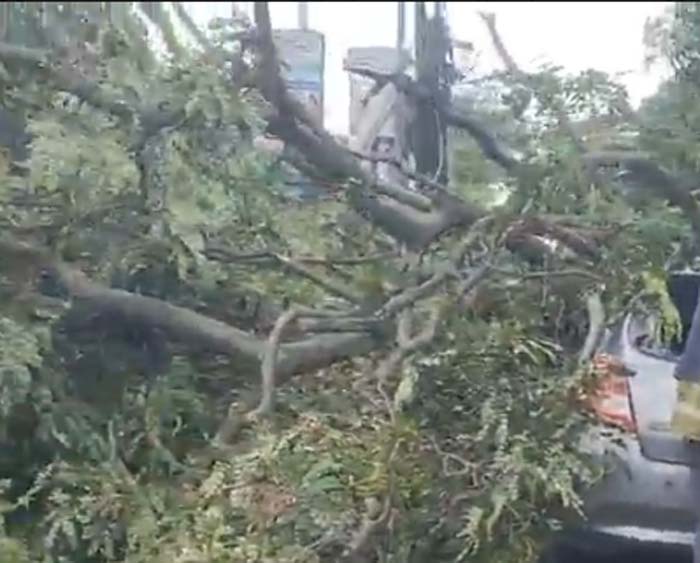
(610, 398)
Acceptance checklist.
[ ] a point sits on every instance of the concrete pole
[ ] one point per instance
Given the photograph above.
(441, 9)
(401, 30)
(303, 15)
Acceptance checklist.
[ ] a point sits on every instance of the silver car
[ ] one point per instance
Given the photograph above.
(643, 509)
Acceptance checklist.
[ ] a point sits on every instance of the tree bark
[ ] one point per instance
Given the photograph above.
(186, 326)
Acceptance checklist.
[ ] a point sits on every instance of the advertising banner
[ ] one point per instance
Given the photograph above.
(302, 54)
(381, 60)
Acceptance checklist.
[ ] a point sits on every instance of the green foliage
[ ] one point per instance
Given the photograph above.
(13, 551)
(19, 353)
(508, 397)
(670, 117)
(670, 325)
(485, 415)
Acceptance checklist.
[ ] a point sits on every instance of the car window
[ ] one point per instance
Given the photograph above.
(683, 289)
(644, 330)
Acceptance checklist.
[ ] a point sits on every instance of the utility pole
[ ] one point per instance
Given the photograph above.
(428, 131)
(441, 9)
(303, 15)
(401, 29)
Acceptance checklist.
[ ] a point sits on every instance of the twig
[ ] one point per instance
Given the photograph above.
(197, 33)
(221, 254)
(424, 337)
(235, 420)
(363, 537)
(270, 360)
(333, 289)
(551, 274)
(475, 278)
(343, 324)
(410, 296)
(407, 343)
(596, 326)
(628, 308)
(337, 261)
(467, 467)
(512, 67)
(372, 523)
(638, 169)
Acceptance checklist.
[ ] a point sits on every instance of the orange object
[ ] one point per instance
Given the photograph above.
(610, 399)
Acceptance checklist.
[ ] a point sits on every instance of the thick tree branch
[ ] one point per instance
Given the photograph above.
(40, 60)
(270, 80)
(186, 326)
(406, 197)
(489, 145)
(639, 170)
(492, 148)
(414, 227)
(404, 222)
(569, 237)
(24, 55)
(421, 179)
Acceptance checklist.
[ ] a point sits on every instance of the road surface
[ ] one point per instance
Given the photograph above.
(642, 555)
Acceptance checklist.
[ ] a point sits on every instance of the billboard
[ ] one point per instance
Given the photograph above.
(302, 54)
(302, 58)
(377, 117)
(383, 60)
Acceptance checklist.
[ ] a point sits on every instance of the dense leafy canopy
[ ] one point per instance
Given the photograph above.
(425, 399)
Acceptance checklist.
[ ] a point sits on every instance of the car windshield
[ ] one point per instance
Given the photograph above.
(683, 289)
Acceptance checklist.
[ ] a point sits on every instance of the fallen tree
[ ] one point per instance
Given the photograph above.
(145, 202)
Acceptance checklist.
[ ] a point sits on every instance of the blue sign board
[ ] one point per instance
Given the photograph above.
(302, 53)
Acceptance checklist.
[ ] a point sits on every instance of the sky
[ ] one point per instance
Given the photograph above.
(575, 35)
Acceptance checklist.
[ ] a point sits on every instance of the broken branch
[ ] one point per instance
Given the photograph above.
(487, 142)
(221, 254)
(517, 73)
(596, 325)
(187, 326)
(639, 170)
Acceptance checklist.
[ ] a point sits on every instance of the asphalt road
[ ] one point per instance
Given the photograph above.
(641, 556)
(584, 549)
